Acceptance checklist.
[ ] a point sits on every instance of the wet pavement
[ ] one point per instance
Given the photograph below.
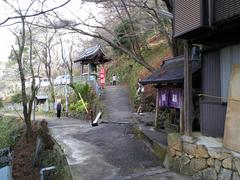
(109, 151)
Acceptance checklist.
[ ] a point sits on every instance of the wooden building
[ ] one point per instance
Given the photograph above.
(91, 57)
(169, 83)
(213, 25)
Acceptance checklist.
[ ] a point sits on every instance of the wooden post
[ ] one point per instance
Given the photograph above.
(187, 89)
(181, 128)
(157, 106)
(81, 71)
(89, 71)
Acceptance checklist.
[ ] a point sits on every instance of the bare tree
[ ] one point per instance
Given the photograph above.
(22, 34)
(68, 63)
(45, 46)
(27, 102)
(95, 28)
(158, 11)
(26, 15)
(155, 9)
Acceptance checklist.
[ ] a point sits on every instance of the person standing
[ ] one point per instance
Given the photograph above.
(140, 97)
(114, 80)
(59, 109)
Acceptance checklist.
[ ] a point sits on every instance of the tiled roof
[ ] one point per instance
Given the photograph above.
(172, 70)
(91, 53)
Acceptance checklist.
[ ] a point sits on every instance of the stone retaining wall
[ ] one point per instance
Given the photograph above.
(203, 158)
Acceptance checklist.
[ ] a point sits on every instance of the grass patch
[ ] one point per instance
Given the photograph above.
(10, 130)
(55, 158)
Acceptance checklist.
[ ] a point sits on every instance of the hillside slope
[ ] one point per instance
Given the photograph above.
(129, 72)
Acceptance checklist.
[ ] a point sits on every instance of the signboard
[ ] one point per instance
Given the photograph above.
(232, 123)
(102, 77)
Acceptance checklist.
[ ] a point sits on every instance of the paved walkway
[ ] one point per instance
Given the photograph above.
(109, 151)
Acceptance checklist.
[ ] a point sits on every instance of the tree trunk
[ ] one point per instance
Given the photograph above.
(22, 78)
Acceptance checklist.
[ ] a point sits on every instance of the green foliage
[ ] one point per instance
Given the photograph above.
(78, 106)
(10, 129)
(16, 98)
(12, 57)
(55, 158)
(130, 72)
(123, 35)
(1, 103)
(83, 89)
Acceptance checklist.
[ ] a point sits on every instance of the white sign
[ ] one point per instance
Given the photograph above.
(163, 97)
(174, 98)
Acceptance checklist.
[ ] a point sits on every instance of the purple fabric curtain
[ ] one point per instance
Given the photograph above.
(175, 98)
(163, 97)
(170, 97)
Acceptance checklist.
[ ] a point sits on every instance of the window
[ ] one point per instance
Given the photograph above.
(228, 57)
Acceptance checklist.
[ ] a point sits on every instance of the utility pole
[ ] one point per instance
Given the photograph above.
(65, 85)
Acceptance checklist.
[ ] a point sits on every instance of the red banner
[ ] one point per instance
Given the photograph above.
(102, 77)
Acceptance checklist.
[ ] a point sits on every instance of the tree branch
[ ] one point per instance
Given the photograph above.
(35, 14)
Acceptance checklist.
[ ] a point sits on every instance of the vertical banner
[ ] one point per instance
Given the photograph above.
(102, 77)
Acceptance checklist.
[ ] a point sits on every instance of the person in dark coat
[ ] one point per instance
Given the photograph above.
(59, 108)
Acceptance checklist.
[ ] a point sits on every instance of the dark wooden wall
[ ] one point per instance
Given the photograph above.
(187, 16)
(212, 111)
(226, 9)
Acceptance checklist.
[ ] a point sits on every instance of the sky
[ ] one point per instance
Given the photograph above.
(7, 38)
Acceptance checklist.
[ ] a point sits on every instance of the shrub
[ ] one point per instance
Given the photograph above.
(1, 103)
(16, 98)
(10, 129)
(78, 106)
(83, 89)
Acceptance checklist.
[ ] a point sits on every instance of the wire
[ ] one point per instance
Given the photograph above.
(219, 97)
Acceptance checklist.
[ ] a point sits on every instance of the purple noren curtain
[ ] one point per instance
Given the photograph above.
(170, 97)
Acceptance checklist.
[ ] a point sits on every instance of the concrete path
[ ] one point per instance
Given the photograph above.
(109, 151)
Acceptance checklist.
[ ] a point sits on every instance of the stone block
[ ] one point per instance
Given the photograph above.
(188, 139)
(173, 138)
(184, 160)
(178, 153)
(224, 174)
(172, 152)
(236, 162)
(198, 176)
(176, 164)
(219, 153)
(186, 169)
(210, 161)
(227, 163)
(235, 176)
(217, 165)
(209, 174)
(168, 161)
(189, 148)
(233, 166)
(190, 156)
(198, 164)
(177, 146)
(201, 152)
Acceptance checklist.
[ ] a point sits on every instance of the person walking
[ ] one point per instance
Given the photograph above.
(59, 109)
(140, 97)
(114, 80)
